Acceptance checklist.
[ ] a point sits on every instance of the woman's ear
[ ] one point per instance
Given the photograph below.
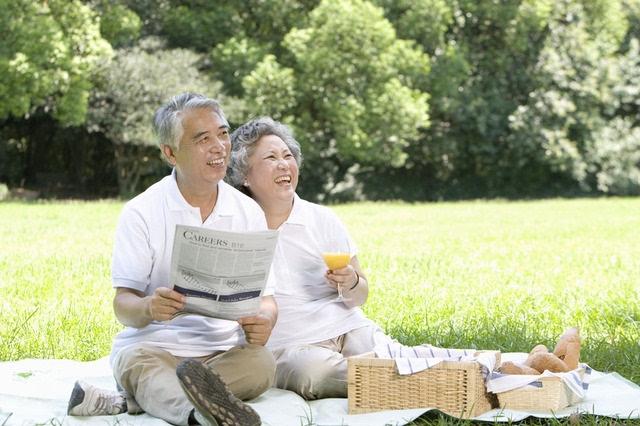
(168, 154)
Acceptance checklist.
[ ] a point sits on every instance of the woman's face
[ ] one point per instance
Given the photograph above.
(274, 171)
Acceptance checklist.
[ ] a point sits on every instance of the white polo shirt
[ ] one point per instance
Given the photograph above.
(142, 257)
(306, 313)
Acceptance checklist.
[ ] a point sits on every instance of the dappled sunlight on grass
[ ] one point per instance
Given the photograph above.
(485, 275)
(54, 281)
(494, 275)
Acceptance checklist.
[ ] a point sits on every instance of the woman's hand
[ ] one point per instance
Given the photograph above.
(345, 277)
(353, 282)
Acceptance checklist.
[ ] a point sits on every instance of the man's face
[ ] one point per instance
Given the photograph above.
(204, 149)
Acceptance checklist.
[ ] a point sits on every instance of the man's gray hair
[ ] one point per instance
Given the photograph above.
(167, 120)
(243, 144)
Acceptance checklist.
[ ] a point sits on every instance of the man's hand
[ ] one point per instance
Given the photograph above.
(164, 303)
(257, 328)
(134, 309)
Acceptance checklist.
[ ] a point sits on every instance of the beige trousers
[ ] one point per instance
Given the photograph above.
(319, 370)
(149, 375)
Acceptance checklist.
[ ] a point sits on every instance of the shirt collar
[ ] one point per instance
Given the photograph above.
(176, 201)
(224, 205)
(298, 212)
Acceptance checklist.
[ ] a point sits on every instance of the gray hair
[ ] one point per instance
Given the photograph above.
(167, 120)
(243, 144)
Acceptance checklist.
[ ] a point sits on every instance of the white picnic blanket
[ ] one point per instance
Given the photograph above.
(37, 391)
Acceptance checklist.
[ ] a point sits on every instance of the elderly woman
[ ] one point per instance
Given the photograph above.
(314, 335)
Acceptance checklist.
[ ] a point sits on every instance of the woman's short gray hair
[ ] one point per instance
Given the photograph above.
(167, 120)
(243, 143)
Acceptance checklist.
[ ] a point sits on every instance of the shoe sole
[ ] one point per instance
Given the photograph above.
(77, 396)
(211, 396)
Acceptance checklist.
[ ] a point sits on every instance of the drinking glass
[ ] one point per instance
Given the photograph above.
(337, 254)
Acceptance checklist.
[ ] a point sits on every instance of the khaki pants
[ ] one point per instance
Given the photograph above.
(149, 374)
(319, 370)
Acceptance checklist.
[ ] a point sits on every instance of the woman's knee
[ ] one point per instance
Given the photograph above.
(312, 372)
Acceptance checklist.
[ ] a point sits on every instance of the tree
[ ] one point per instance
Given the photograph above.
(234, 59)
(574, 121)
(203, 24)
(237, 33)
(135, 83)
(425, 21)
(49, 53)
(482, 55)
(354, 98)
(118, 24)
(271, 90)
(612, 151)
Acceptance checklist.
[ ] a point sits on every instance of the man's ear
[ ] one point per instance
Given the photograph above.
(168, 154)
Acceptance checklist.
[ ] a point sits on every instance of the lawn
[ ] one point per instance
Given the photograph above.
(506, 275)
(481, 274)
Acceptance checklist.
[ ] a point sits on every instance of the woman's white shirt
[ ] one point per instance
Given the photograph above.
(306, 313)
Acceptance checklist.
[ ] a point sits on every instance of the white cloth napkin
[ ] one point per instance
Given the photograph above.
(504, 382)
(412, 359)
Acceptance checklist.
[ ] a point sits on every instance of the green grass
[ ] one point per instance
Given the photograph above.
(506, 275)
(485, 274)
(55, 291)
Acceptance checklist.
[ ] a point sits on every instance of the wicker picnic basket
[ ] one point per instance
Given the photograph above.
(453, 387)
(549, 393)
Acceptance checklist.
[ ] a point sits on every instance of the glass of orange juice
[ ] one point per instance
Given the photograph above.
(337, 254)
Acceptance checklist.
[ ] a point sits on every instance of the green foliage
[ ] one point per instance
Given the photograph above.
(200, 25)
(234, 59)
(470, 98)
(565, 127)
(518, 91)
(203, 25)
(481, 72)
(425, 21)
(631, 9)
(625, 84)
(150, 13)
(49, 52)
(119, 25)
(347, 66)
(270, 90)
(614, 156)
(135, 83)
(268, 21)
(605, 19)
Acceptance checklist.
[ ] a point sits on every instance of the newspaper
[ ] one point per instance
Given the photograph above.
(223, 274)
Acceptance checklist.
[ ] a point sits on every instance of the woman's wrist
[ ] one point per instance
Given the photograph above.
(357, 281)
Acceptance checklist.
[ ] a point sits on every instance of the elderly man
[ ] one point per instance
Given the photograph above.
(193, 369)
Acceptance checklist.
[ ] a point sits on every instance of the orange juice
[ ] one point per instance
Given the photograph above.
(336, 260)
